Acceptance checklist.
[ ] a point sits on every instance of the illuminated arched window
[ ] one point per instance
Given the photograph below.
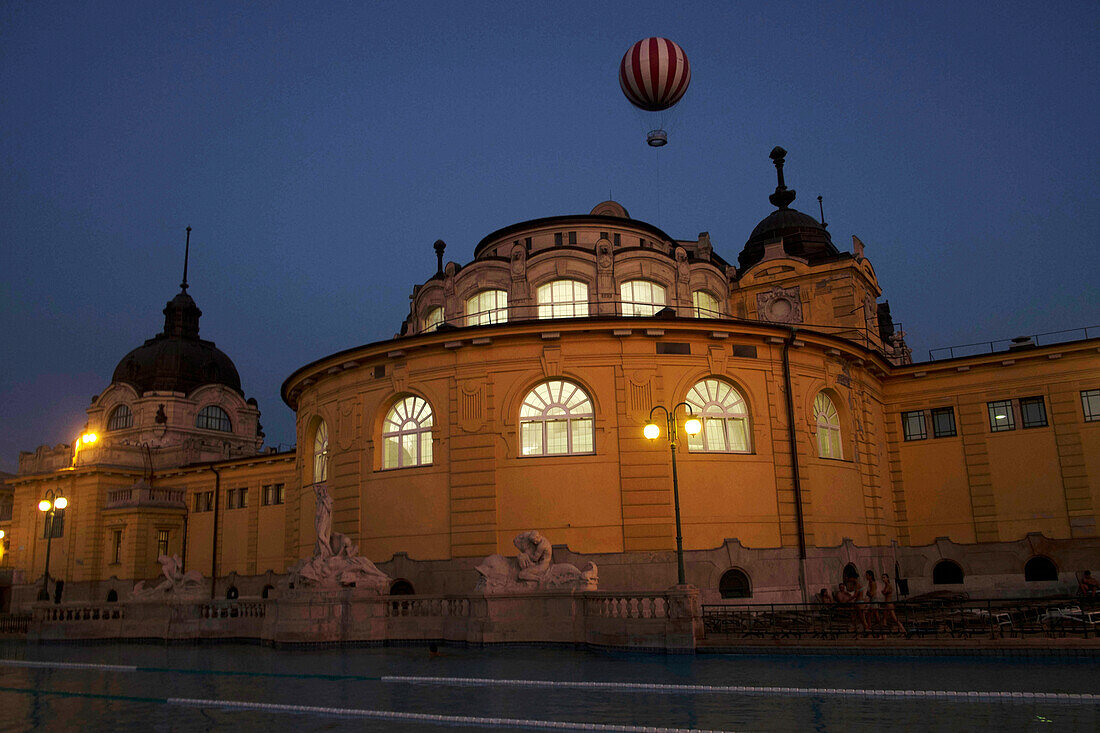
(120, 419)
(213, 417)
(828, 427)
(433, 319)
(407, 434)
(704, 305)
(563, 299)
(487, 306)
(556, 419)
(642, 297)
(724, 415)
(320, 453)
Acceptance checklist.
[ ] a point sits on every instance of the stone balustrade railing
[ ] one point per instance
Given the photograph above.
(79, 612)
(626, 606)
(402, 606)
(146, 496)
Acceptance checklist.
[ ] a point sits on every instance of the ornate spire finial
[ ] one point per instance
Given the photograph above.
(439, 245)
(783, 196)
(186, 254)
(821, 208)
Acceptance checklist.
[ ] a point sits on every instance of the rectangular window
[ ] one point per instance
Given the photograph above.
(943, 422)
(116, 544)
(617, 239)
(1000, 416)
(242, 498)
(557, 238)
(672, 347)
(912, 424)
(231, 499)
(572, 237)
(603, 235)
(1090, 404)
(198, 501)
(1033, 412)
(162, 542)
(582, 435)
(557, 436)
(208, 501)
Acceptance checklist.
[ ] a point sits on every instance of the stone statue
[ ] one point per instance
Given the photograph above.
(175, 581)
(336, 560)
(532, 569)
(323, 520)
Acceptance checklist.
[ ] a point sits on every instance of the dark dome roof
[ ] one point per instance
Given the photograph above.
(177, 360)
(803, 236)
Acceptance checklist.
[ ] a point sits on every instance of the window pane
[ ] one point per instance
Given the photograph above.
(641, 297)
(582, 436)
(408, 450)
(1090, 404)
(1000, 416)
(834, 444)
(391, 448)
(433, 319)
(943, 422)
(557, 436)
(714, 429)
(1033, 412)
(739, 439)
(705, 305)
(532, 438)
(912, 424)
(425, 448)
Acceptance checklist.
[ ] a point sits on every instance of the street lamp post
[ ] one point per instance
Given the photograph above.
(50, 505)
(652, 431)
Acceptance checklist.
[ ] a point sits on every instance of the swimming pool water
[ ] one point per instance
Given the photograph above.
(149, 697)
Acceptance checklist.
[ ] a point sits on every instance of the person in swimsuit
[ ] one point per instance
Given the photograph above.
(872, 591)
(888, 613)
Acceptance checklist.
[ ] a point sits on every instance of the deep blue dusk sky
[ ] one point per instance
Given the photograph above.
(319, 151)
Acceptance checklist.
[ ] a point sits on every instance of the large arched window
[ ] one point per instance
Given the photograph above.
(704, 305)
(120, 419)
(828, 427)
(407, 434)
(433, 319)
(487, 306)
(642, 297)
(556, 419)
(213, 417)
(320, 453)
(735, 584)
(1040, 568)
(563, 299)
(721, 408)
(947, 572)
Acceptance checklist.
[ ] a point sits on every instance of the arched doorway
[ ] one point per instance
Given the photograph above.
(1040, 568)
(947, 572)
(735, 584)
(401, 587)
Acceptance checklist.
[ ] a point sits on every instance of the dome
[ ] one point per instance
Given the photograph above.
(803, 236)
(177, 360)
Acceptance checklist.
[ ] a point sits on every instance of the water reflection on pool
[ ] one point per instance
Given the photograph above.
(45, 698)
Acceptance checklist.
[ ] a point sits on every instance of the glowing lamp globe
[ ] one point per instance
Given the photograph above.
(44, 505)
(60, 502)
(651, 431)
(692, 426)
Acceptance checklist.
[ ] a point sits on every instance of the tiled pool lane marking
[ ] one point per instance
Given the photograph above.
(942, 695)
(68, 665)
(366, 714)
(961, 696)
(429, 718)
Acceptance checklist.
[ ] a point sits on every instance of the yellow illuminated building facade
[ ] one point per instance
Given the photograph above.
(515, 399)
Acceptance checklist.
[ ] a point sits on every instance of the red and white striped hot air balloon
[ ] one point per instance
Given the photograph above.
(654, 74)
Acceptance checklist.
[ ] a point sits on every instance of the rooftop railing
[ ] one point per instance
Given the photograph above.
(1013, 344)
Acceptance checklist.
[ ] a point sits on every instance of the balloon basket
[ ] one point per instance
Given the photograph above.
(656, 138)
